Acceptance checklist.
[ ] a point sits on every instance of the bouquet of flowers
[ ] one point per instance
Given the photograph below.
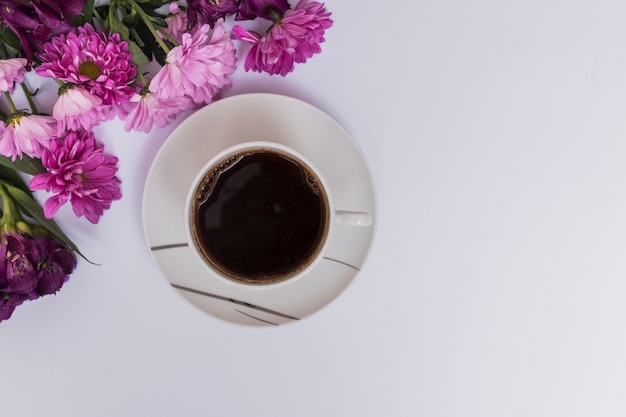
(142, 61)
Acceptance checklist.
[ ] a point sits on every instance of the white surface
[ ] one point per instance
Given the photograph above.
(496, 284)
(257, 121)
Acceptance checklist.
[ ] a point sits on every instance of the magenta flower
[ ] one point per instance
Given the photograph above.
(76, 108)
(198, 67)
(12, 71)
(80, 172)
(293, 39)
(93, 60)
(28, 134)
(176, 22)
(152, 110)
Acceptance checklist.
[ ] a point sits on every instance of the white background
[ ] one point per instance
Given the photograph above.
(496, 283)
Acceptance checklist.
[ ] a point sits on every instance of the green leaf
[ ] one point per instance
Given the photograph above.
(10, 175)
(34, 210)
(159, 21)
(27, 165)
(113, 23)
(9, 38)
(86, 14)
(139, 58)
(131, 19)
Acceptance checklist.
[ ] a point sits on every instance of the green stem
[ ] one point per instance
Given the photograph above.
(88, 10)
(10, 101)
(149, 25)
(167, 35)
(29, 97)
(142, 79)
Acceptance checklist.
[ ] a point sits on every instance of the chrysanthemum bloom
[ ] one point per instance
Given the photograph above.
(76, 108)
(12, 71)
(176, 22)
(79, 172)
(35, 21)
(198, 67)
(293, 39)
(93, 60)
(28, 134)
(151, 110)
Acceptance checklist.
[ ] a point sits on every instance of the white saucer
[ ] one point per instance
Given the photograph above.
(237, 120)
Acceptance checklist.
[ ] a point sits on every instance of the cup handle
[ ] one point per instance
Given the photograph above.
(353, 218)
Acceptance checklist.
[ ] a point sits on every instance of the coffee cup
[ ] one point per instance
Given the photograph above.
(259, 213)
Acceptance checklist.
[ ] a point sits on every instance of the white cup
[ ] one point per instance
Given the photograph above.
(206, 181)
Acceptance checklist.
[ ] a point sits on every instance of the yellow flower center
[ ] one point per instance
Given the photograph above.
(89, 69)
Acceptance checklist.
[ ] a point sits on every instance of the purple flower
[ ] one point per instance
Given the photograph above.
(80, 172)
(210, 11)
(293, 39)
(95, 61)
(30, 268)
(18, 264)
(267, 9)
(8, 303)
(26, 133)
(197, 68)
(56, 263)
(35, 21)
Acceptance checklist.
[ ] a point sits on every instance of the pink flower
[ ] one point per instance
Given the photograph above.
(76, 108)
(95, 61)
(293, 39)
(176, 22)
(12, 71)
(198, 67)
(80, 172)
(27, 133)
(151, 110)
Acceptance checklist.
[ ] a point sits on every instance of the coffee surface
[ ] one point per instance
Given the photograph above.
(259, 216)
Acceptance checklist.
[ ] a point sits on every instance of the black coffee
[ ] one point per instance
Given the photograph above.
(259, 216)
